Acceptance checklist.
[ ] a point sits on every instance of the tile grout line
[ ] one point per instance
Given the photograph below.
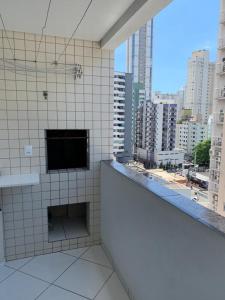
(75, 249)
(22, 265)
(98, 264)
(85, 259)
(8, 276)
(107, 280)
(53, 283)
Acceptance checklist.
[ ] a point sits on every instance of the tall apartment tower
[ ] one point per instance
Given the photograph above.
(146, 129)
(200, 84)
(165, 126)
(217, 161)
(176, 98)
(139, 57)
(122, 120)
(139, 63)
(156, 131)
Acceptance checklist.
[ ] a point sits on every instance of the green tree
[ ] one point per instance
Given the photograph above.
(201, 153)
(161, 165)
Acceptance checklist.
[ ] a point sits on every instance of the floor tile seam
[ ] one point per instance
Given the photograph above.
(104, 284)
(43, 280)
(17, 269)
(43, 292)
(95, 263)
(77, 294)
(74, 255)
(1, 281)
(33, 276)
(76, 259)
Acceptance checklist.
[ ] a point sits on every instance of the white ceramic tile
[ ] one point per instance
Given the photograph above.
(96, 255)
(112, 290)
(76, 252)
(84, 278)
(48, 267)
(66, 100)
(5, 272)
(20, 286)
(17, 263)
(56, 293)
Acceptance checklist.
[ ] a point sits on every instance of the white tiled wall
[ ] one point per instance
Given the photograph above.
(86, 103)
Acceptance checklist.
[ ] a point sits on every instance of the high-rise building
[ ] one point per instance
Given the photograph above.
(122, 120)
(165, 118)
(176, 98)
(139, 63)
(156, 131)
(200, 84)
(189, 134)
(217, 160)
(139, 57)
(145, 130)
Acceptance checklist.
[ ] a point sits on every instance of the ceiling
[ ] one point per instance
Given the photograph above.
(101, 17)
(64, 15)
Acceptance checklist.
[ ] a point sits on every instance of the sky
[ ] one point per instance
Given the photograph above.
(182, 27)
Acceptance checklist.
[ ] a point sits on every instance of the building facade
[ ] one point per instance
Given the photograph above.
(176, 98)
(200, 85)
(146, 129)
(189, 134)
(139, 56)
(156, 132)
(217, 160)
(165, 117)
(139, 63)
(122, 120)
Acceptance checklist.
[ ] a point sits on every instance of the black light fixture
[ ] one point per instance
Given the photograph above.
(45, 95)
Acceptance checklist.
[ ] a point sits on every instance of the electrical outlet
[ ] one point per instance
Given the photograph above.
(28, 151)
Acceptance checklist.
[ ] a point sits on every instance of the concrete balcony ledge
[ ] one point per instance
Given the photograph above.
(187, 206)
(163, 245)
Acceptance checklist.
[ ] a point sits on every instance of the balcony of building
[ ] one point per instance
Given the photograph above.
(222, 17)
(144, 222)
(73, 226)
(217, 142)
(220, 68)
(214, 175)
(221, 45)
(218, 118)
(214, 187)
(220, 94)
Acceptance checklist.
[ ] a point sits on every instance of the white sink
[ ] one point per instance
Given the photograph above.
(19, 180)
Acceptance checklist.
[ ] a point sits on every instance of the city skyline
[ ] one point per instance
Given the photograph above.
(169, 75)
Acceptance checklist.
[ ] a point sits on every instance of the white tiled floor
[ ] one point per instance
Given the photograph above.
(77, 274)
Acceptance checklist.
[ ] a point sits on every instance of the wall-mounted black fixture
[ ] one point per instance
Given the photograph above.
(45, 95)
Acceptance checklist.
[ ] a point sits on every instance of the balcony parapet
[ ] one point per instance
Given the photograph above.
(152, 235)
(186, 205)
